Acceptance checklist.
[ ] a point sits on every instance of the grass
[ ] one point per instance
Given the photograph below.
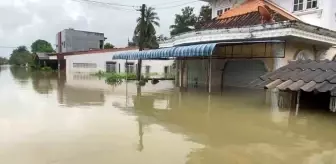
(46, 69)
(118, 78)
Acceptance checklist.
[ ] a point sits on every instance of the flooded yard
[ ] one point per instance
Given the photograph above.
(47, 118)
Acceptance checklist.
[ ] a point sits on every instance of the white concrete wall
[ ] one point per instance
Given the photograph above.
(220, 5)
(323, 16)
(157, 66)
(100, 59)
(82, 81)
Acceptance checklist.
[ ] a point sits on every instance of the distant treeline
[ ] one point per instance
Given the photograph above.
(3, 61)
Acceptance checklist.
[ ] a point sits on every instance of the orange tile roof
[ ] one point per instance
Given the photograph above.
(250, 6)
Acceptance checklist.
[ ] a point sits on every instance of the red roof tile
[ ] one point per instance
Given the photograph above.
(250, 6)
(95, 51)
(251, 12)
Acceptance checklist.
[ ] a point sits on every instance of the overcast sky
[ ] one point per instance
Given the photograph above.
(24, 21)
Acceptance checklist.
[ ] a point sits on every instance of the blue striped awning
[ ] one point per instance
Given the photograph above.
(183, 51)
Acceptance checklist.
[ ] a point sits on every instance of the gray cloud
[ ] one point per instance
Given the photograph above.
(23, 21)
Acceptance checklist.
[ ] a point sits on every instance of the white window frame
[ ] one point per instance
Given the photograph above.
(298, 5)
(305, 5)
(311, 4)
(219, 12)
(227, 9)
(129, 67)
(111, 67)
(147, 69)
(84, 65)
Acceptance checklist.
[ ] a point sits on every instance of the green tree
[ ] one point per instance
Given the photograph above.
(3, 60)
(41, 46)
(162, 38)
(146, 25)
(20, 56)
(184, 22)
(108, 46)
(204, 16)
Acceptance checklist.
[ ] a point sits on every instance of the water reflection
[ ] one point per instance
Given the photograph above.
(233, 130)
(3, 67)
(83, 120)
(45, 82)
(20, 74)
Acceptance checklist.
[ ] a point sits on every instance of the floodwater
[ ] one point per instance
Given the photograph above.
(53, 119)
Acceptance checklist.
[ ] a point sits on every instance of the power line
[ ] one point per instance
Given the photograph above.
(8, 47)
(108, 3)
(166, 3)
(168, 7)
(115, 6)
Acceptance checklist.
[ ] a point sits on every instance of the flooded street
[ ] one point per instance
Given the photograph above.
(46, 118)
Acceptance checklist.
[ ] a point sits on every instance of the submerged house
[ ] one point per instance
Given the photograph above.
(93, 61)
(303, 83)
(45, 60)
(240, 45)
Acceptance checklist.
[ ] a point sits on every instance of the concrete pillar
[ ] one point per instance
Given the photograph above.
(279, 62)
(298, 95)
(139, 69)
(210, 75)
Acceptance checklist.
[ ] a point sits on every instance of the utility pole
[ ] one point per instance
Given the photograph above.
(141, 38)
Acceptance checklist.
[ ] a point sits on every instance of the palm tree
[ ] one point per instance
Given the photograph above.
(147, 24)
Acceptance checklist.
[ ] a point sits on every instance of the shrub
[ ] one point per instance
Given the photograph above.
(48, 69)
(117, 78)
(100, 73)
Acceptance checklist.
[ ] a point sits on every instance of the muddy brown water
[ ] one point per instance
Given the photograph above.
(47, 118)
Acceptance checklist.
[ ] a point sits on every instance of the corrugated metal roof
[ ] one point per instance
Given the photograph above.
(42, 56)
(182, 51)
(307, 75)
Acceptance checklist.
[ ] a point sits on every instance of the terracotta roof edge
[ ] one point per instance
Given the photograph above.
(96, 51)
(282, 9)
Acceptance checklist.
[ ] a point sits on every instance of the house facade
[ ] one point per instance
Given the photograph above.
(251, 38)
(317, 12)
(320, 13)
(90, 62)
(71, 40)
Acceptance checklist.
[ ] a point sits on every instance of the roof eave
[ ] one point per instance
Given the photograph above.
(279, 29)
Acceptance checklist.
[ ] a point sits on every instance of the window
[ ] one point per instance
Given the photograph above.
(298, 5)
(148, 70)
(129, 67)
(166, 69)
(311, 4)
(84, 65)
(101, 44)
(119, 67)
(226, 9)
(111, 67)
(219, 12)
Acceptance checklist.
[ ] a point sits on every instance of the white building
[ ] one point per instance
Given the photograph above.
(247, 39)
(317, 12)
(70, 40)
(89, 62)
(320, 13)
